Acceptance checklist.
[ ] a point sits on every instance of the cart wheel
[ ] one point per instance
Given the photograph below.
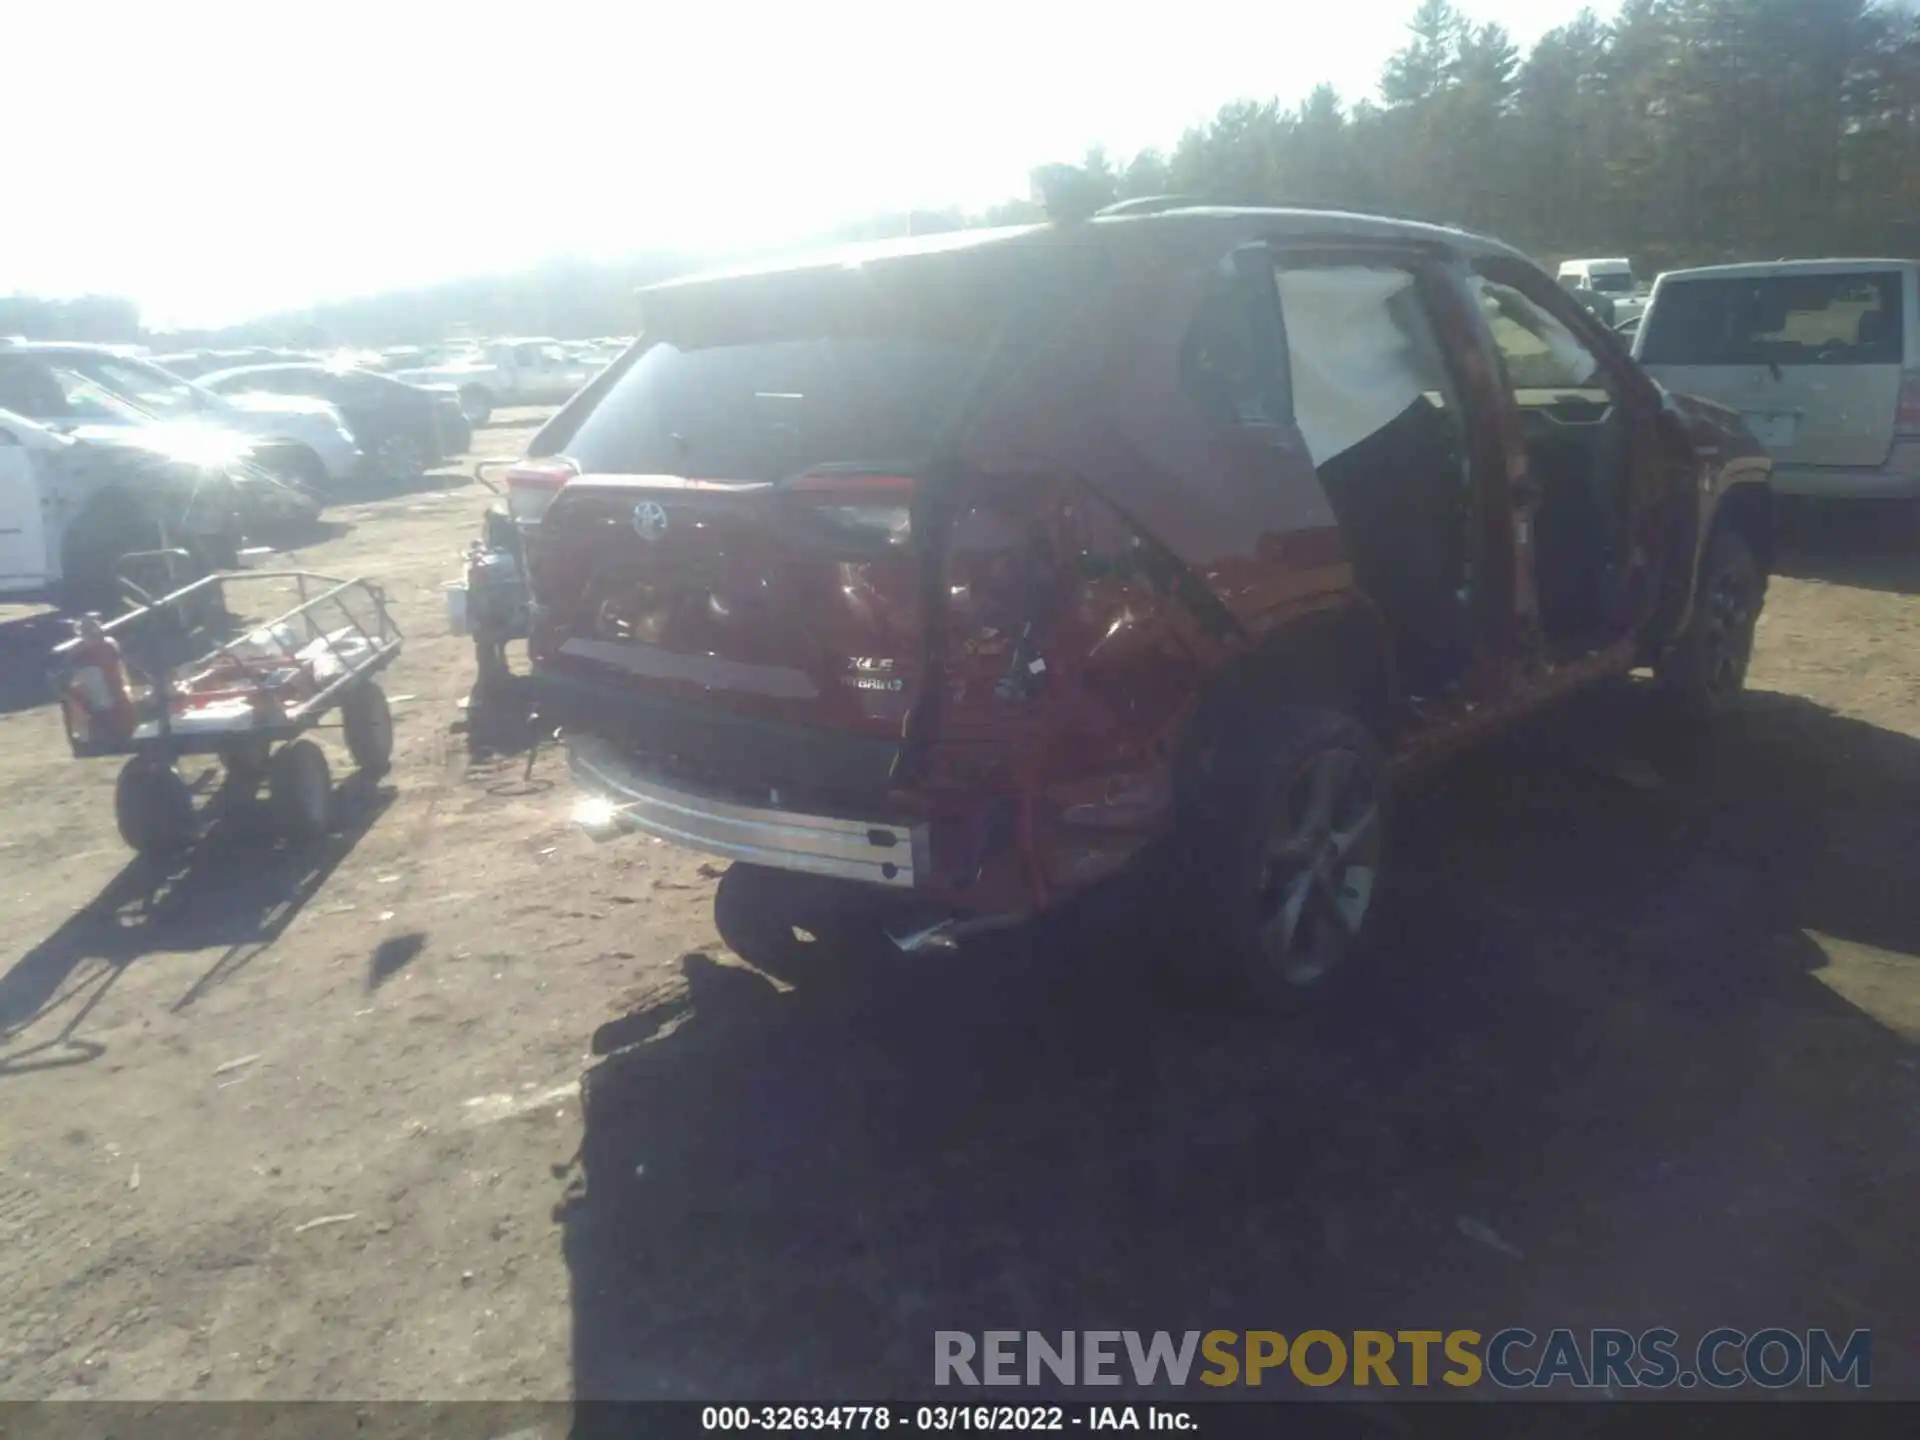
(300, 789)
(153, 808)
(369, 725)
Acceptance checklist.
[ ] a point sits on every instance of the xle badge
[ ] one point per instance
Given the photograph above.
(871, 672)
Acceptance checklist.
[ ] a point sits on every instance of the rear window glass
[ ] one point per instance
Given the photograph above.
(1777, 319)
(765, 379)
(769, 411)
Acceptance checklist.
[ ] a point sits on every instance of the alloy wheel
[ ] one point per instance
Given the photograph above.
(1321, 862)
(399, 458)
(1730, 617)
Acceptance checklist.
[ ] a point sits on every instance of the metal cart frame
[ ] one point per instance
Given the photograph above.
(153, 804)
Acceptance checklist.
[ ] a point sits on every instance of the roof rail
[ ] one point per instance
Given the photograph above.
(1159, 204)
(1148, 205)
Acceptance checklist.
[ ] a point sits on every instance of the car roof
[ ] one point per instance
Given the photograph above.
(1229, 222)
(275, 367)
(72, 347)
(1763, 269)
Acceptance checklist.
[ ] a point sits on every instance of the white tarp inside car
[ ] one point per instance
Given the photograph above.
(1361, 350)
(1356, 364)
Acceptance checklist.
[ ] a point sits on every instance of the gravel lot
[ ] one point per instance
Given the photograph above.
(464, 1104)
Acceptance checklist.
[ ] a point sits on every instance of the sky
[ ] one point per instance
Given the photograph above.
(218, 160)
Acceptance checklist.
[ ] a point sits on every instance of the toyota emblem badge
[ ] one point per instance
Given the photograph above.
(650, 519)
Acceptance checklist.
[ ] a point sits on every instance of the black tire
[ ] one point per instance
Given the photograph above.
(1702, 676)
(368, 723)
(113, 527)
(294, 465)
(1294, 847)
(794, 925)
(476, 403)
(399, 460)
(153, 807)
(300, 790)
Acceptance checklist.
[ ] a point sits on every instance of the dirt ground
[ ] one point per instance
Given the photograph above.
(465, 1104)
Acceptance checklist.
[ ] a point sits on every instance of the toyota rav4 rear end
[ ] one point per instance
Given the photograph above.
(818, 582)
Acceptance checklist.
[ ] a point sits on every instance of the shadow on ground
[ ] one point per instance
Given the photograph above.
(299, 534)
(26, 657)
(445, 477)
(1599, 1073)
(1870, 545)
(235, 889)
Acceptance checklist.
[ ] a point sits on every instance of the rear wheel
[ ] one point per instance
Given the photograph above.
(293, 465)
(1299, 832)
(1706, 670)
(399, 459)
(368, 723)
(300, 790)
(153, 808)
(112, 529)
(476, 403)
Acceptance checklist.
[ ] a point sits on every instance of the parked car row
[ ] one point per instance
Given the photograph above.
(305, 441)
(188, 364)
(508, 372)
(403, 429)
(79, 503)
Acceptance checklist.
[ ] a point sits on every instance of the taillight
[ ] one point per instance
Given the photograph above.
(532, 484)
(875, 508)
(1906, 414)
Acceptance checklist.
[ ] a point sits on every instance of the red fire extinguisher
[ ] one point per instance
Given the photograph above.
(97, 698)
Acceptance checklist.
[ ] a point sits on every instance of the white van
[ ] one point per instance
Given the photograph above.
(1613, 278)
(1814, 353)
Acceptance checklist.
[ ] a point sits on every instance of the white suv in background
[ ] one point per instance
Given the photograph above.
(300, 439)
(1612, 279)
(73, 504)
(1821, 357)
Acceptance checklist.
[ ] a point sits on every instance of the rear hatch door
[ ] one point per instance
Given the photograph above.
(744, 530)
(1812, 359)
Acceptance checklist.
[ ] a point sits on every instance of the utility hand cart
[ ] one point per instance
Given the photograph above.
(246, 701)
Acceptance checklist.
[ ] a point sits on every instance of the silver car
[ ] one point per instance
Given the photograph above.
(1821, 357)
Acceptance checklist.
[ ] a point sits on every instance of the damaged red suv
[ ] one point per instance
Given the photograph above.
(957, 572)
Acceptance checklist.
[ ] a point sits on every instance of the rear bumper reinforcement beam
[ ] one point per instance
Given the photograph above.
(878, 852)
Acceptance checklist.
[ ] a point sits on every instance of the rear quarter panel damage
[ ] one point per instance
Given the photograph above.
(1114, 551)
